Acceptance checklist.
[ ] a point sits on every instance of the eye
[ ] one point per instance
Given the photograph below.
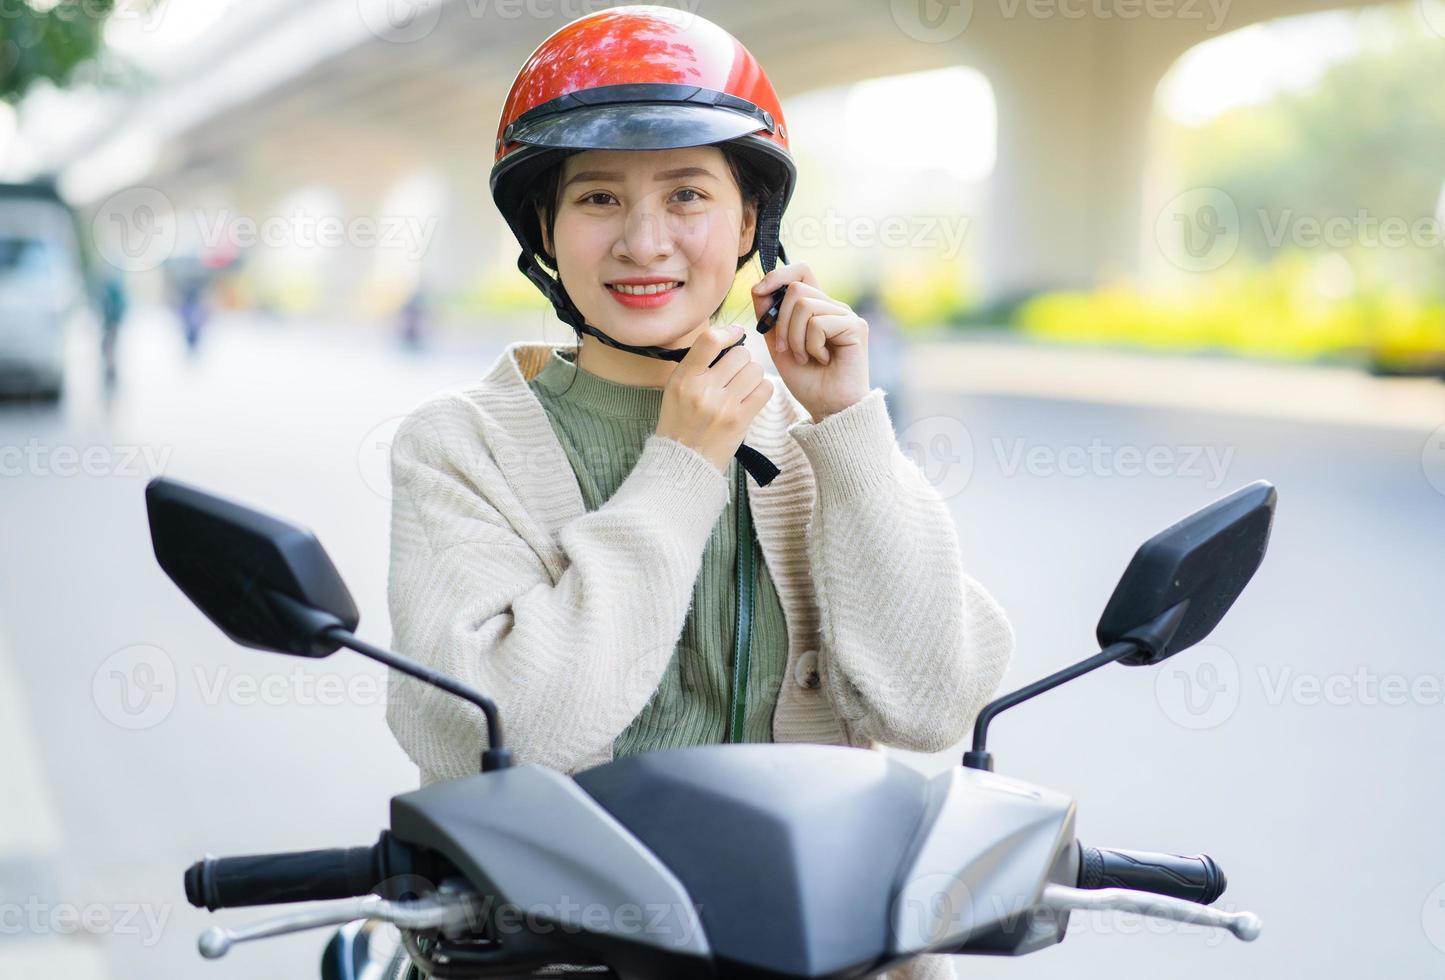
(696, 195)
(589, 197)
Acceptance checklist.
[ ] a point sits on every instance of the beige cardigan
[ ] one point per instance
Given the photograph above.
(568, 618)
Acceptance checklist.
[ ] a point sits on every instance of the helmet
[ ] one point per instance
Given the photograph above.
(637, 77)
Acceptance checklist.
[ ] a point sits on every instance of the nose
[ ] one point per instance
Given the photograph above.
(647, 233)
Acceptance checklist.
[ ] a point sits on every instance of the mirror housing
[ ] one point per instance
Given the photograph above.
(267, 583)
(1182, 581)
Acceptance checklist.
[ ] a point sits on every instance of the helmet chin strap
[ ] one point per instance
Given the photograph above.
(769, 250)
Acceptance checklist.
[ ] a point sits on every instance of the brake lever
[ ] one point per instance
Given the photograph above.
(1244, 925)
(451, 915)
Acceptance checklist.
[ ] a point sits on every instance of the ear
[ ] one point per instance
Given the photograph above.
(542, 226)
(749, 228)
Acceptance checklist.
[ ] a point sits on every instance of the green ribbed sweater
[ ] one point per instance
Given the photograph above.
(602, 426)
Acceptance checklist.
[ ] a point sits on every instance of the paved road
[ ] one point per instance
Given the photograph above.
(139, 738)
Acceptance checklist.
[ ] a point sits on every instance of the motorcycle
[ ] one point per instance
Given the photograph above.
(784, 861)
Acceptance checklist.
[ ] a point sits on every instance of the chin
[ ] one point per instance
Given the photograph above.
(629, 330)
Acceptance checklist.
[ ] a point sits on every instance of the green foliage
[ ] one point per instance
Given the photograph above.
(1365, 144)
(47, 41)
(1362, 149)
(1267, 311)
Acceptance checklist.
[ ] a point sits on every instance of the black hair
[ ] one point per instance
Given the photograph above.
(541, 198)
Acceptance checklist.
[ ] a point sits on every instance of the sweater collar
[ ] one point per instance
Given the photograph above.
(562, 378)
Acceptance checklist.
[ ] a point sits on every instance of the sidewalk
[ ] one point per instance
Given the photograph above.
(1306, 392)
(30, 851)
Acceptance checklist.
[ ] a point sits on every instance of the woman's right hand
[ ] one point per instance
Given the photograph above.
(710, 408)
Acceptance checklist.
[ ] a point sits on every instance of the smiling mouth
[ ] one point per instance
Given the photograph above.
(649, 290)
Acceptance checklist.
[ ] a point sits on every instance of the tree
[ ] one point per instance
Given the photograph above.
(1362, 149)
(47, 40)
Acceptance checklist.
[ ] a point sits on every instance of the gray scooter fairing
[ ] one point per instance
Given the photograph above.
(769, 860)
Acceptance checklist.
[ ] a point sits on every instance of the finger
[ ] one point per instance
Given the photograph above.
(705, 348)
(843, 328)
(781, 276)
(810, 291)
(819, 301)
(762, 302)
(792, 272)
(798, 330)
(817, 337)
(731, 363)
(785, 314)
(814, 325)
(759, 396)
(745, 380)
(826, 303)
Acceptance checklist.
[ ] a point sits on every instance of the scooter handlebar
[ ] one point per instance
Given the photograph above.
(298, 876)
(1194, 878)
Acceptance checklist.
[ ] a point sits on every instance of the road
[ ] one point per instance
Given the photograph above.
(1299, 745)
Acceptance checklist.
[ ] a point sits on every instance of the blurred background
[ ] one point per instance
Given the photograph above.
(1118, 258)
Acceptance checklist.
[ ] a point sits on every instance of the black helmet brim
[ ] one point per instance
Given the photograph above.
(634, 126)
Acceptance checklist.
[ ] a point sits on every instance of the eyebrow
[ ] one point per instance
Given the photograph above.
(590, 175)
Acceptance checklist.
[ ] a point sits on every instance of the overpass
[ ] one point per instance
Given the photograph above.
(358, 93)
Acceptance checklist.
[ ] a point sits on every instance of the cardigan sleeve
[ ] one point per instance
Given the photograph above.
(569, 663)
(912, 647)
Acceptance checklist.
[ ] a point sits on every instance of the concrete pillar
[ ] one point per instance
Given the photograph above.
(1075, 101)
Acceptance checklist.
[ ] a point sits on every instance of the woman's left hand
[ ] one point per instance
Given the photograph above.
(819, 345)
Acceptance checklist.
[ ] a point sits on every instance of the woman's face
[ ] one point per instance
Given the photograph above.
(673, 215)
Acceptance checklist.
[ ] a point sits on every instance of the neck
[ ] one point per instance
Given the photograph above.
(627, 368)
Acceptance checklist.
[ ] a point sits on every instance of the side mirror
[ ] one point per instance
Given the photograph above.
(1176, 589)
(268, 584)
(265, 582)
(1183, 580)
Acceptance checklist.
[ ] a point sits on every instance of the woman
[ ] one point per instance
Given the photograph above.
(575, 533)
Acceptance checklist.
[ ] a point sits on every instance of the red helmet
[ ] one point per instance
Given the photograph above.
(637, 78)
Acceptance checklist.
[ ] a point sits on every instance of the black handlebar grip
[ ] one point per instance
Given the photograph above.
(1197, 878)
(264, 879)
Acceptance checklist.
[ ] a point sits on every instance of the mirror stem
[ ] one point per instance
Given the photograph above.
(497, 756)
(981, 759)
